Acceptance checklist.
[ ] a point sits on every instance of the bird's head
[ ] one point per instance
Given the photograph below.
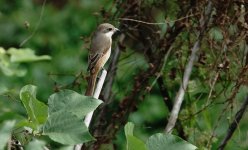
(107, 29)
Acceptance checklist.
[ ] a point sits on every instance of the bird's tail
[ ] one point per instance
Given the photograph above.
(91, 85)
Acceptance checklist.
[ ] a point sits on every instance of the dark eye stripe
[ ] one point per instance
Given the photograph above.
(109, 29)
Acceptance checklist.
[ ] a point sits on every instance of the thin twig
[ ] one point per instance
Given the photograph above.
(234, 124)
(162, 69)
(158, 23)
(37, 26)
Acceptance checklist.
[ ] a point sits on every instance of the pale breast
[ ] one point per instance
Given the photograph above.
(105, 57)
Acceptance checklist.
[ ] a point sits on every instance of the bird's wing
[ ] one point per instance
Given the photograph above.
(99, 47)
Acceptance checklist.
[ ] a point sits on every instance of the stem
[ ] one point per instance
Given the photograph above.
(97, 92)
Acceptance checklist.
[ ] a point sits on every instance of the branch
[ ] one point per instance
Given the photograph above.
(234, 124)
(169, 104)
(97, 92)
(187, 72)
(158, 23)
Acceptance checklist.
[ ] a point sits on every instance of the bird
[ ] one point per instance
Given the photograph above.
(99, 53)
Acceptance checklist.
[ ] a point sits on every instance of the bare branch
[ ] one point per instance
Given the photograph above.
(97, 92)
(187, 72)
(157, 23)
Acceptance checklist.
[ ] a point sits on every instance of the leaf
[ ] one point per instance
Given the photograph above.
(66, 111)
(216, 34)
(36, 110)
(25, 55)
(66, 128)
(35, 144)
(162, 141)
(129, 128)
(195, 87)
(22, 134)
(73, 102)
(3, 89)
(233, 29)
(66, 147)
(5, 132)
(133, 143)
(8, 68)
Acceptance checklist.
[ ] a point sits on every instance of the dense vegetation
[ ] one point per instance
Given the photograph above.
(168, 52)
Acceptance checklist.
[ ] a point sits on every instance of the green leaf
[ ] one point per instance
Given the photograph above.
(133, 143)
(25, 123)
(216, 34)
(68, 100)
(66, 128)
(233, 29)
(25, 55)
(66, 111)
(3, 89)
(35, 144)
(66, 147)
(162, 141)
(8, 68)
(36, 110)
(5, 132)
(22, 134)
(129, 128)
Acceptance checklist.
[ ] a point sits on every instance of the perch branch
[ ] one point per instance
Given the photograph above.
(97, 92)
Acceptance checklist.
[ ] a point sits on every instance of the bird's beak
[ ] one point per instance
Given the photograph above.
(117, 30)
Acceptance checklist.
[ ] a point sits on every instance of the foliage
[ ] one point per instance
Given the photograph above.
(11, 59)
(44, 43)
(66, 110)
(62, 122)
(5, 131)
(158, 141)
(37, 111)
(133, 142)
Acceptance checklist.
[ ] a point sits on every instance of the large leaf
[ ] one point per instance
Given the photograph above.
(162, 141)
(36, 110)
(5, 133)
(25, 55)
(66, 112)
(133, 143)
(73, 102)
(66, 128)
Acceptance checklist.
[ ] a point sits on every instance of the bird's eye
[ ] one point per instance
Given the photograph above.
(109, 29)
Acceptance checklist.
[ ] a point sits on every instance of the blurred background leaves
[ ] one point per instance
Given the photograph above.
(57, 33)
